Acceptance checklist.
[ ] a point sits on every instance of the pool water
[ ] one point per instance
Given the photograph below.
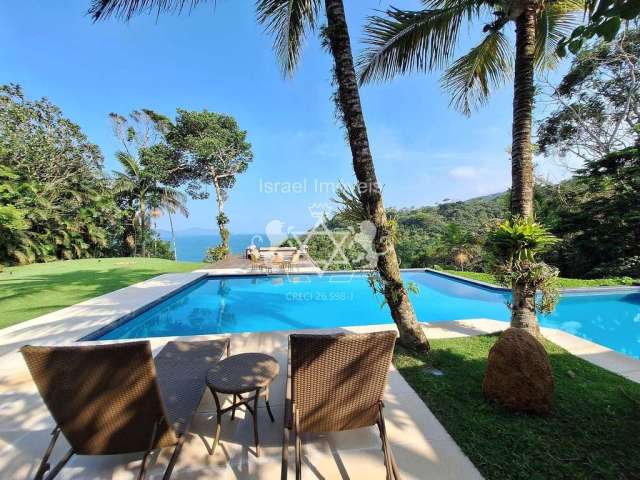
(278, 302)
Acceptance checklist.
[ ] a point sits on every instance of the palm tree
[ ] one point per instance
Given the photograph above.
(289, 21)
(170, 205)
(407, 41)
(143, 194)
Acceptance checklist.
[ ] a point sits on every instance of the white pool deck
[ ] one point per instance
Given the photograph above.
(422, 447)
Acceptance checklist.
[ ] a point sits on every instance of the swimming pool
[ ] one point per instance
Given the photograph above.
(278, 302)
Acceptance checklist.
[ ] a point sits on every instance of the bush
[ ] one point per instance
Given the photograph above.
(215, 254)
(162, 249)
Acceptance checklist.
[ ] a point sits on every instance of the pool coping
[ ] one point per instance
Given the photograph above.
(81, 321)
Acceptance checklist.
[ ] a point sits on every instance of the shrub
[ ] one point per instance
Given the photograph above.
(516, 245)
(215, 254)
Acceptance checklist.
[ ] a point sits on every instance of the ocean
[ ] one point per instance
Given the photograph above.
(192, 247)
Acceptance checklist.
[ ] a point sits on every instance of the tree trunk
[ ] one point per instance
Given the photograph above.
(142, 226)
(523, 313)
(523, 96)
(411, 334)
(224, 232)
(173, 238)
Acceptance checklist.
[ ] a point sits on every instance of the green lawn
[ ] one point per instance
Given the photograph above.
(592, 434)
(564, 282)
(32, 290)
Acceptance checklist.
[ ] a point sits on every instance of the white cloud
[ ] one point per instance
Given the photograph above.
(463, 172)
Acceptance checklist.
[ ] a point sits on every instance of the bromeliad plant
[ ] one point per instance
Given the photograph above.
(516, 245)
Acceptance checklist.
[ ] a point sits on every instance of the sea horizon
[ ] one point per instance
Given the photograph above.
(192, 244)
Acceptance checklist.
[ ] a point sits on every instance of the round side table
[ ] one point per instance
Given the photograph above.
(238, 375)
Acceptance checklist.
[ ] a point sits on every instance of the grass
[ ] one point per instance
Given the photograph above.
(592, 433)
(33, 290)
(564, 282)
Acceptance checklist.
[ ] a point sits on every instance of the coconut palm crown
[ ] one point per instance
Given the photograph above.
(402, 42)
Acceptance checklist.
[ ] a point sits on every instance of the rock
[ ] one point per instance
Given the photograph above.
(518, 375)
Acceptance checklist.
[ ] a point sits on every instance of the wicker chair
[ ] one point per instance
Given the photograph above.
(257, 264)
(277, 262)
(292, 262)
(116, 399)
(337, 383)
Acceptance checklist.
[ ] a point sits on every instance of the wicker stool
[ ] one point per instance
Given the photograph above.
(238, 375)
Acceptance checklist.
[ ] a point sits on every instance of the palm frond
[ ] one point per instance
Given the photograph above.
(168, 199)
(471, 78)
(288, 21)
(406, 41)
(126, 9)
(555, 22)
(129, 163)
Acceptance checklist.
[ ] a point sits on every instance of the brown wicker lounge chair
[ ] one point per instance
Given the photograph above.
(337, 383)
(116, 399)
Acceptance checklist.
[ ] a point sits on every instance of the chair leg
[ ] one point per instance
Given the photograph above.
(44, 463)
(145, 457)
(285, 453)
(393, 472)
(385, 452)
(298, 456)
(216, 437)
(233, 409)
(255, 421)
(266, 401)
(298, 448)
(143, 467)
(174, 458)
(56, 470)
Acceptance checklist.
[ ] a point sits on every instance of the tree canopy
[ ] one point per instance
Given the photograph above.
(54, 196)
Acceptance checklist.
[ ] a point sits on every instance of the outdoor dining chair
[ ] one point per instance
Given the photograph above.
(292, 262)
(257, 263)
(116, 399)
(336, 384)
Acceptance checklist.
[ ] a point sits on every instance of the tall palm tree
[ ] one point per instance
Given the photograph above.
(170, 206)
(144, 193)
(408, 41)
(290, 21)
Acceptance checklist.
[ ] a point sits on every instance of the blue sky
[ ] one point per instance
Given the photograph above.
(220, 59)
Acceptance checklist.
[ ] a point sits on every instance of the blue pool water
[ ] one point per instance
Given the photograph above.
(268, 303)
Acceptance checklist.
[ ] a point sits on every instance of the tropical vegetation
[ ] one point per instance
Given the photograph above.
(57, 202)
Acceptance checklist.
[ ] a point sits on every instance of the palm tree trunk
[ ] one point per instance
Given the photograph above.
(173, 238)
(523, 313)
(523, 96)
(142, 227)
(411, 334)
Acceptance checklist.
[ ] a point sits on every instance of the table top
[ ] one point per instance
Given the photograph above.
(243, 373)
